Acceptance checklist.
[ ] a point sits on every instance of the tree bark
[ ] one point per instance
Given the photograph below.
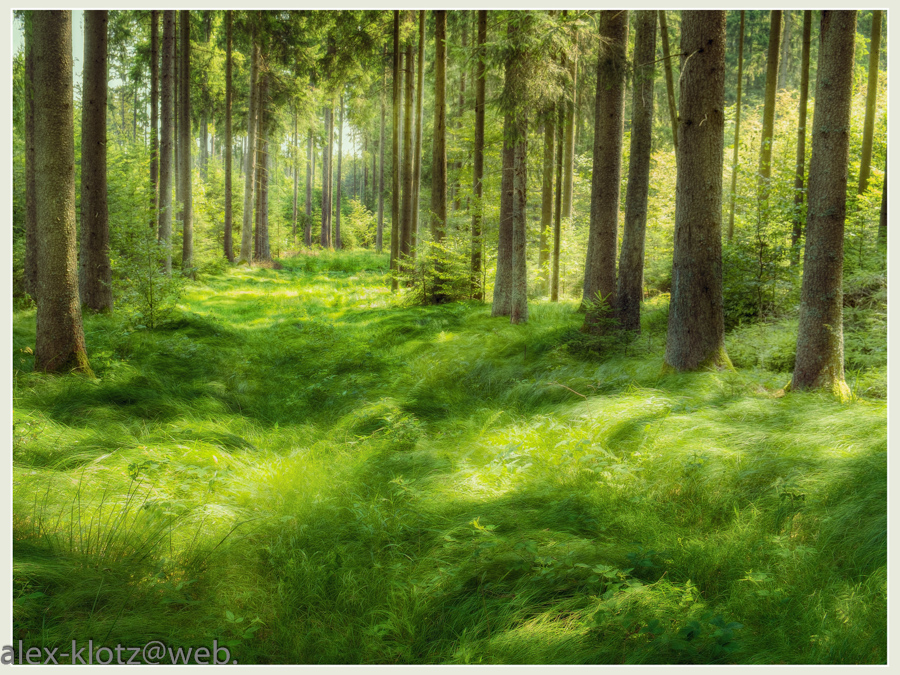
(310, 177)
(59, 338)
(296, 170)
(557, 216)
(379, 233)
(461, 111)
(417, 153)
(670, 85)
(820, 337)
(229, 141)
(95, 278)
(882, 218)
(263, 251)
(629, 290)
(478, 157)
(395, 158)
(31, 242)
(167, 136)
(696, 329)
(547, 200)
(325, 235)
(406, 209)
(502, 301)
(154, 114)
(784, 65)
(439, 148)
(187, 249)
(337, 216)
(737, 130)
(569, 146)
(609, 118)
(865, 161)
(800, 167)
(765, 150)
(246, 254)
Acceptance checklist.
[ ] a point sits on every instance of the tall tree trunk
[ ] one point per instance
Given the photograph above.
(696, 331)
(547, 201)
(784, 64)
(310, 177)
(629, 289)
(379, 233)
(59, 340)
(417, 153)
(518, 312)
(325, 236)
(296, 171)
(179, 198)
(167, 136)
(882, 218)
(406, 209)
(229, 141)
(154, 114)
(765, 150)
(439, 148)
(187, 248)
(204, 102)
(737, 129)
(478, 157)
(557, 216)
(462, 111)
(609, 120)
(365, 185)
(865, 160)
(569, 146)
(31, 234)
(820, 336)
(337, 216)
(395, 159)
(502, 301)
(800, 167)
(246, 254)
(95, 274)
(670, 85)
(262, 210)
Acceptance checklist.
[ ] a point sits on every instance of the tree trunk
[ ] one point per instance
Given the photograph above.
(95, 272)
(187, 249)
(737, 129)
(154, 114)
(167, 135)
(395, 158)
(629, 290)
(609, 118)
(546, 201)
(406, 208)
(365, 185)
(296, 169)
(379, 233)
(325, 235)
(59, 339)
(176, 140)
(337, 216)
(800, 167)
(882, 218)
(765, 150)
(518, 312)
(417, 153)
(478, 157)
(204, 100)
(696, 329)
(871, 98)
(670, 85)
(784, 65)
(246, 254)
(439, 148)
(461, 111)
(310, 177)
(262, 166)
(569, 146)
(502, 301)
(31, 241)
(557, 216)
(229, 141)
(820, 337)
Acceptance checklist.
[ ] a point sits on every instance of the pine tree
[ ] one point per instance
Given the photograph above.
(478, 157)
(167, 136)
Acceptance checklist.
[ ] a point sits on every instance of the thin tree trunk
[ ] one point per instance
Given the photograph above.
(820, 336)
(695, 337)
(59, 338)
(246, 254)
(765, 150)
(600, 265)
(737, 129)
(784, 65)
(629, 289)
(262, 210)
(569, 146)
(462, 110)
(670, 85)
(365, 185)
(439, 148)
(229, 141)
(865, 161)
(31, 233)
(167, 136)
(478, 157)
(406, 209)
(800, 167)
(379, 233)
(557, 216)
(395, 159)
(337, 216)
(417, 153)
(310, 177)
(154, 114)
(882, 219)
(325, 235)
(502, 301)
(176, 141)
(296, 169)
(518, 312)
(187, 249)
(95, 272)
(546, 201)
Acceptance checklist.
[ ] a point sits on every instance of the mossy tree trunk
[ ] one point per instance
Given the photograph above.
(820, 336)
(629, 289)
(478, 157)
(609, 118)
(59, 343)
(800, 166)
(696, 330)
(167, 136)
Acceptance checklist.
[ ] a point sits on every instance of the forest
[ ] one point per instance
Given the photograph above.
(449, 336)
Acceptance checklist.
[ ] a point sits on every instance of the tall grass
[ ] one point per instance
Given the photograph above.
(301, 469)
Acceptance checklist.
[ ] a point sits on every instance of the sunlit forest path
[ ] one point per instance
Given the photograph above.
(298, 468)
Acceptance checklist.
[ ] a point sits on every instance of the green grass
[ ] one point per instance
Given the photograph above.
(304, 470)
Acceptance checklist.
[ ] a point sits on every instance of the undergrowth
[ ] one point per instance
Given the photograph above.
(300, 469)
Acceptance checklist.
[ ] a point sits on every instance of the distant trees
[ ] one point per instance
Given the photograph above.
(800, 166)
(167, 137)
(184, 128)
(865, 160)
(820, 338)
(765, 145)
(439, 147)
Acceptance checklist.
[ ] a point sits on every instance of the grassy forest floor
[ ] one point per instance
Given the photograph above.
(300, 468)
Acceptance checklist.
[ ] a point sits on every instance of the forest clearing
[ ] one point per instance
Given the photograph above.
(445, 398)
